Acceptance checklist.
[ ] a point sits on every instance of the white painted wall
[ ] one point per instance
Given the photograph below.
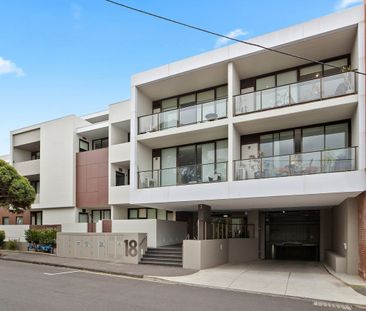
(120, 111)
(58, 148)
(27, 168)
(14, 232)
(59, 216)
(74, 228)
(26, 137)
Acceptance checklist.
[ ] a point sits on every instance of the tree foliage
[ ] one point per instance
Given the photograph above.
(15, 190)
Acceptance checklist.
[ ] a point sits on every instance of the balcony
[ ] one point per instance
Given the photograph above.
(28, 168)
(120, 152)
(183, 175)
(297, 93)
(204, 112)
(326, 161)
(119, 194)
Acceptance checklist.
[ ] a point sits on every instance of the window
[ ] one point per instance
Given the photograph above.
(170, 216)
(266, 145)
(287, 77)
(19, 220)
(36, 218)
(148, 213)
(36, 155)
(120, 179)
(313, 139)
(5, 220)
(161, 214)
(100, 143)
(100, 215)
(336, 136)
(311, 72)
(169, 104)
(343, 63)
(83, 218)
(265, 83)
(278, 143)
(83, 145)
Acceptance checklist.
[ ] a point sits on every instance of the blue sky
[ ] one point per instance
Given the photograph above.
(65, 57)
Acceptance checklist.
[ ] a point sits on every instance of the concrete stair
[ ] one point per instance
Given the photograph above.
(164, 256)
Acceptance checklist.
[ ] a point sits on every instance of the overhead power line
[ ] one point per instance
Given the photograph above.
(227, 37)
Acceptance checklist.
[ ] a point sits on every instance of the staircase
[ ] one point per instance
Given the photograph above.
(165, 256)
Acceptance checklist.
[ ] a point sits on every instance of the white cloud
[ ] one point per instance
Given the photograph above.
(8, 67)
(343, 4)
(232, 34)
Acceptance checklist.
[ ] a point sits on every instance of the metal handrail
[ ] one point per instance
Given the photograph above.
(178, 110)
(289, 86)
(291, 161)
(157, 173)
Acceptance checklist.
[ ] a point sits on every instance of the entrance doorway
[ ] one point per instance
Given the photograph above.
(292, 235)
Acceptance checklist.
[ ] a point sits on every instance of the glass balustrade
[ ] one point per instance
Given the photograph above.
(183, 175)
(296, 93)
(202, 112)
(326, 161)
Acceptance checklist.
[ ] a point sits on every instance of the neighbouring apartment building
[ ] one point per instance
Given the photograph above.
(240, 153)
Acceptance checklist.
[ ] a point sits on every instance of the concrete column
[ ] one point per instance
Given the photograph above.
(233, 135)
(362, 234)
(204, 222)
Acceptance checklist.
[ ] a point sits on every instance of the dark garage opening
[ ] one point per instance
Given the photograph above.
(292, 235)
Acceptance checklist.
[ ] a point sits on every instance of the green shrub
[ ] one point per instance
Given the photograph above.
(2, 238)
(48, 237)
(12, 245)
(33, 236)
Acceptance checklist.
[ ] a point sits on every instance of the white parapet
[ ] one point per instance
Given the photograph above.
(14, 232)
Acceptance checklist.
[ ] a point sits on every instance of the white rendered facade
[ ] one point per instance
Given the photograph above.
(133, 152)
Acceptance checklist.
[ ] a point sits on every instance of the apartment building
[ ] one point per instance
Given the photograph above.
(240, 153)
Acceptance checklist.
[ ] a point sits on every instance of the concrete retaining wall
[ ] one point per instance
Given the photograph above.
(124, 247)
(14, 232)
(203, 254)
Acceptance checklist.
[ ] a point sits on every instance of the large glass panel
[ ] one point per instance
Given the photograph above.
(188, 115)
(310, 72)
(338, 85)
(339, 160)
(248, 169)
(209, 111)
(282, 96)
(148, 123)
(247, 102)
(221, 151)
(266, 145)
(276, 166)
(341, 63)
(283, 143)
(206, 96)
(313, 139)
(149, 179)
(268, 99)
(132, 213)
(265, 83)
(106, 214)
(305, 91)
(220, 173)
(286, 77)
(168, 165)
(221, 108)
(208, 159)
(221, 92)
(336, 136)
(187, 172)
(306, 163)
(168, 119)
(169, 104)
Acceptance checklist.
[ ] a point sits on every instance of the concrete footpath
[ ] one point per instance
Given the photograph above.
(110, 267)
(285, 278)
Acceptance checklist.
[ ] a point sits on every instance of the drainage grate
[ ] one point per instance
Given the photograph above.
(332, 305)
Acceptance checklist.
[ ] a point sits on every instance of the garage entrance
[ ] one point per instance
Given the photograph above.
(292, 235)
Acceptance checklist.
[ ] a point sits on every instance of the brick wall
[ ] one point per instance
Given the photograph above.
(12, 216)
(362, 234)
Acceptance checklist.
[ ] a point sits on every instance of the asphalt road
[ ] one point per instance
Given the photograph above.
(43, 288)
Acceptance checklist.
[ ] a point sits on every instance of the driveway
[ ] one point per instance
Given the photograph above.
(288, 278)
